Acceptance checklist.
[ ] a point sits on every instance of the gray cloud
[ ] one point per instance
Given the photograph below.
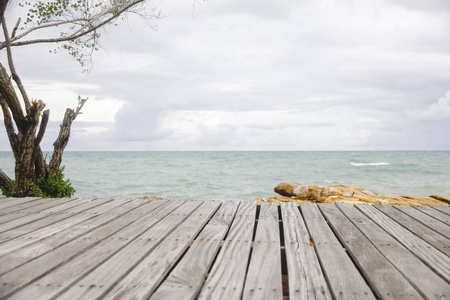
(252, 76)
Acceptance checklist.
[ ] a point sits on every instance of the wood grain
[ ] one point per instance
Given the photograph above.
(344, 278)
(432, 257)
(264, 273)
(186, 280)
(427, 282)
(443, 217)
(443, 208)
(306, 279)
(142, 281)
(60, 266)
(166, 249)
(386, 281)
(226, 279)
(425, 233)
(425, 219)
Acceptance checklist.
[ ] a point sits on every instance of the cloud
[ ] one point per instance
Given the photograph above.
(436, 6)
(138, 124)
(438, 111)
(258, 76)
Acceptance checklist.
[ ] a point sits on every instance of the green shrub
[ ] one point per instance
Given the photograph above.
(7, 191)
(54, 186)
(50, 186)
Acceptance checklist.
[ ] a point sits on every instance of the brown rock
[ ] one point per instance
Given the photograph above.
(286, 188)
(151, 198)
(440, 198)
(294, 192)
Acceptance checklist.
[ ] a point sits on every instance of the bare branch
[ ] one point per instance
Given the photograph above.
(5, 181)
(12, 135)
(13, 34)
(9, 96)
(43, 127)
(62, 140)
(11, 64)
(43, 26)
(114, 12)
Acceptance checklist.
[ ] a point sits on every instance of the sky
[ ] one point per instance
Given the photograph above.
(256, 75)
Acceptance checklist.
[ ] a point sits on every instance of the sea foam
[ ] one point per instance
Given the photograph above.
(370, 164)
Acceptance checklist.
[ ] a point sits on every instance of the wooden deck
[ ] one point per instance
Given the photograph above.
(143, 249)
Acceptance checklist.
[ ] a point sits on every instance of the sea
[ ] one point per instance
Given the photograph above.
(229, 175)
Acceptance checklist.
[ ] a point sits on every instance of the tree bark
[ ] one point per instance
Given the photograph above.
(63, 138)
(25, 172)
(10, 97)
(12, 135)
(5, 181)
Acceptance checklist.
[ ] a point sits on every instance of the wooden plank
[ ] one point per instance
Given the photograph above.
(38, 247)
(8, 202)
(36, 204)
(425, 219)
(185, 281)
(443, 208)
(344, 279)
(430, 236)
(19, 242)
(226, 279)
(142, 281)
(428, 283)
(434, 213)
(306, 279)
(32, 222)
(435, 259)
(384, 279)
(112, 260)
(54, 271)
(264, 273)
(25, 210)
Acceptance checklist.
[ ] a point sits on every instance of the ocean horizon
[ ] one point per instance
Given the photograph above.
(246, 175)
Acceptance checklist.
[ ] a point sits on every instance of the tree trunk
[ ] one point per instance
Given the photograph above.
(5, 181)
(25, 143)
(22, 126)
(62, 140)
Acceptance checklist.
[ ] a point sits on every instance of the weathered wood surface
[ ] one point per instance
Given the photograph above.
(186, 280)
(383, 277)
(425, 280)
(143, 249)
(264, 272)
(425, 219)
(227, 277)
(305, 275)
(435, 213)
(345, 281)
(425, 233)
(437, 260)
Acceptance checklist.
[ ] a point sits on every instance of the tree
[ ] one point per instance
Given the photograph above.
(74, 26)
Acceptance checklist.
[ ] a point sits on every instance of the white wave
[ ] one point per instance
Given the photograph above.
(370, 164)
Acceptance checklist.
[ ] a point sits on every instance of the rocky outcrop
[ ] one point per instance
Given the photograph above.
(151, 198)
(295, 192)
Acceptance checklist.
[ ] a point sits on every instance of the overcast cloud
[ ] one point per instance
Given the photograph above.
(258, 75)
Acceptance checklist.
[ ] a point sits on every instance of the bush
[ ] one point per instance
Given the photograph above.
(50, 186)
(7, 191)
(54, 186)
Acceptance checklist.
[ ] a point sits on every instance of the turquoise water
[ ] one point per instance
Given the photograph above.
(249, 175)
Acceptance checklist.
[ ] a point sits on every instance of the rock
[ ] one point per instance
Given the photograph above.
(295, 192)
(151, 198)
(440, 198)
(286, 188)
